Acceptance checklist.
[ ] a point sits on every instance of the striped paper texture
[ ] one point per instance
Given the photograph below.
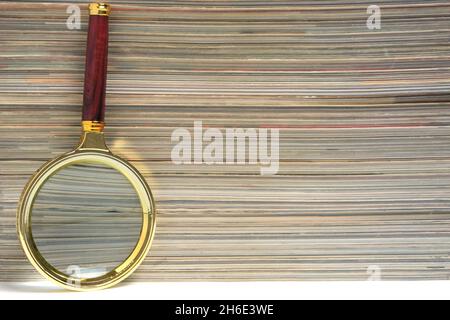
(363, 188)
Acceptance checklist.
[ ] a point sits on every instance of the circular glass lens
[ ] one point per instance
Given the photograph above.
(86, 220)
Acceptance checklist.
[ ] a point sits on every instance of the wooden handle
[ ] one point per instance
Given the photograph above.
(96, 64)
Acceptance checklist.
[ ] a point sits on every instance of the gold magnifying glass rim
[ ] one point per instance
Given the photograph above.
(92, 149)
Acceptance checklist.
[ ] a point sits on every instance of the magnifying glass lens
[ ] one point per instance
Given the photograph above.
(86, 220)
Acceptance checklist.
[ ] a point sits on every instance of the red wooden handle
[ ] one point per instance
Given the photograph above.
(96, 69)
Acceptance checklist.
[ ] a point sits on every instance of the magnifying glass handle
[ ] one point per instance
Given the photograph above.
(96, 68)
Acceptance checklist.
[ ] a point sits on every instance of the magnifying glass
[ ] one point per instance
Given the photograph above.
(87, 218)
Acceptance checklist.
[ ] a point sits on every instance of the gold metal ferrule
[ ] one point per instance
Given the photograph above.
(92, 126)
(99, 9)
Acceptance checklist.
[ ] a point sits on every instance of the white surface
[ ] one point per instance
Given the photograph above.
(246, 290)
